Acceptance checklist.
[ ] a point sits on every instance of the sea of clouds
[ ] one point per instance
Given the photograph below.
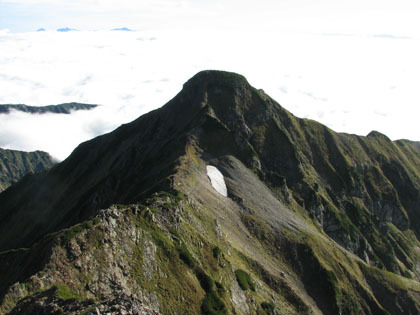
(350, 82)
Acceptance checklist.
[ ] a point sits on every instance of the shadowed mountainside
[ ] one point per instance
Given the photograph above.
(323, 222)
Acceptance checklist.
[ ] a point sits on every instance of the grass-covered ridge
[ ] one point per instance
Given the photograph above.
(16, 164)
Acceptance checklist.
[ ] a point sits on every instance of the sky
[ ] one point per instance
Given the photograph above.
(351, 65)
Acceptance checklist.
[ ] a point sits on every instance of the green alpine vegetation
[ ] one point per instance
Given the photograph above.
(314, 222)
(244, 280)
(16, 164)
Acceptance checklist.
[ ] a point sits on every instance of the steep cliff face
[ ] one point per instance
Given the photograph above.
(16, 164)
(313, 221)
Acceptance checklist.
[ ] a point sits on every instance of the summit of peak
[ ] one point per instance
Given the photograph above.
(376, 134)
(217, 77)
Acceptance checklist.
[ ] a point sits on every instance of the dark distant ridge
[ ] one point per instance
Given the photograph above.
(65, 108)
(16, 164)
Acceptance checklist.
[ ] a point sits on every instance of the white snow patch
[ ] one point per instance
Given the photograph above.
(217, 180)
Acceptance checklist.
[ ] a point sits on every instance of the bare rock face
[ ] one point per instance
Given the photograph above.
(239, 299)
(149, 264)
(322, 222)
(47, 303)
(98, 263)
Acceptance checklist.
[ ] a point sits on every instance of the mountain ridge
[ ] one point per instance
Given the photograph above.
(65, 108)
(16, 164)
(323, 222)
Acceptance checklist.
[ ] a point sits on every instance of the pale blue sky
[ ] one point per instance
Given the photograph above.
(399, 17)
(22, 15)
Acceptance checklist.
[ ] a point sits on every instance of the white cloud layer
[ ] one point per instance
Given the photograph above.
(353, 83)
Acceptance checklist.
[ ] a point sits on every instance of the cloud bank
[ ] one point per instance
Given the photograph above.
(350, 83)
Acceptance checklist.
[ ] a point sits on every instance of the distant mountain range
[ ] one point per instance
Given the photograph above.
(126, 29)
(65, 108)
(16, 164)
(66, 29)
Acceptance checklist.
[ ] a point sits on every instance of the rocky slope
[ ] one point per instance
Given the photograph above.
(16, 164)
(56, 109)
(314, 221)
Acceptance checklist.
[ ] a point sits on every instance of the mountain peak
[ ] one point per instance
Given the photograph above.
(227, 95)
(378, 135)
(217, 78)
(312, 215)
